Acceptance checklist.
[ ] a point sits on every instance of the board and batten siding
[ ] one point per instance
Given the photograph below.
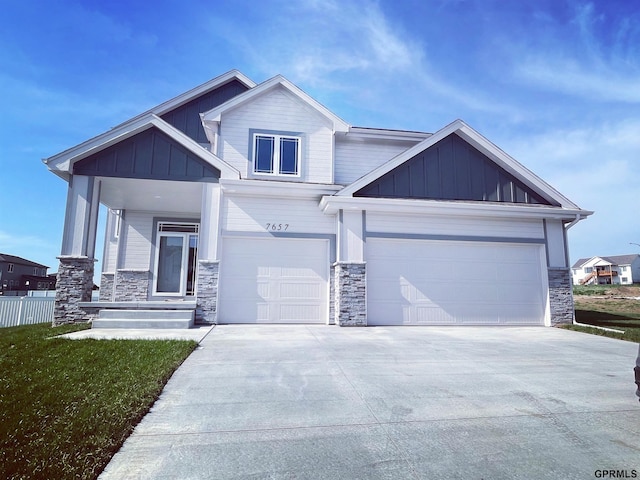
(252, 214)
(355, 157)
(279, 111)
(454, 226)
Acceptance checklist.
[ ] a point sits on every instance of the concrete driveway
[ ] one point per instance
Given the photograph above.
(324, 402)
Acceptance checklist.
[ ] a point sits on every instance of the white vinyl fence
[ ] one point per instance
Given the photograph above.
(25, 310)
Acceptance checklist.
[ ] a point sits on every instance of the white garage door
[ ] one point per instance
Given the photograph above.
(274, 280)
(419, 282)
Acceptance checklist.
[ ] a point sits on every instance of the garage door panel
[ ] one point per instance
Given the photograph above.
(274, 280)
(440, 283)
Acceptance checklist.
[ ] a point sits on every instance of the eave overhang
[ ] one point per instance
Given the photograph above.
(212, 118)
(62, 164)
(330, 205)
(468, 134)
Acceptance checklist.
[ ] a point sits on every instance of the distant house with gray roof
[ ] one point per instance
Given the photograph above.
(18, 274)
(610, 270)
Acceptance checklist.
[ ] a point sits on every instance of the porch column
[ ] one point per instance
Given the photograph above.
(75, 274)
(350, 282)
(208, 260)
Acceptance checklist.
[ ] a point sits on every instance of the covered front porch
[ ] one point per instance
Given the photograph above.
(160, 258)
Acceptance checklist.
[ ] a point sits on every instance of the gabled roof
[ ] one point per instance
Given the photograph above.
(612, 259)
(484, 146)
(62, 164)
(19, 261)
(195, 92)
(215, 114)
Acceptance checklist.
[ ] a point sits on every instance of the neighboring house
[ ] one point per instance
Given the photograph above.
(611, 270)
(256, 204)
(20, 275)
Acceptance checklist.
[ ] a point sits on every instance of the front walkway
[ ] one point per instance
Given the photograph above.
(324, 402)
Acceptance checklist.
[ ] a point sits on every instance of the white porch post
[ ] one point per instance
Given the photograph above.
(75, 274)
(208, 259)
(350, 270)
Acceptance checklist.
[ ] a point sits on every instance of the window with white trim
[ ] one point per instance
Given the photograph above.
(276, 154)
(10, 268)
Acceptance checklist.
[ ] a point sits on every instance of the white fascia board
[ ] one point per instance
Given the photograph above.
(215, 114)
(273, 188)
(196, 92)
(62, 164)
(511, 165)
(332, 204)
(476, 140)
(385, 134)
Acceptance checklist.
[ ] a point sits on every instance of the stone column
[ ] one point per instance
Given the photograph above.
(73, 285)
(350, 294)
(560, 296)
(106, 287)
(207, 291)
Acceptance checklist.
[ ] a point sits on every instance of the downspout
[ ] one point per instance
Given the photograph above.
(573, 222)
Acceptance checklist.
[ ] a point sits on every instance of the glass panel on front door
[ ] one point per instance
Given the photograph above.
(170, 264)
(176, 259)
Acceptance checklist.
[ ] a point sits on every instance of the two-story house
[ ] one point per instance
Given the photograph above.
(610, 270)
(18, 274)
(254, 203)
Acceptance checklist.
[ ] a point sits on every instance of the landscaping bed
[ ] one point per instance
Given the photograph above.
(66, 406)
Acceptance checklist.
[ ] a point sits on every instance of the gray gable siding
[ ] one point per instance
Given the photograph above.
(150, 154)
(451, 170)
(186, 118)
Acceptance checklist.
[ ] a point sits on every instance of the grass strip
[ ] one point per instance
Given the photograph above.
(66, 406)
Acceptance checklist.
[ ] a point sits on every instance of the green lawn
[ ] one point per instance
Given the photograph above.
(610, 307)
(66, 406)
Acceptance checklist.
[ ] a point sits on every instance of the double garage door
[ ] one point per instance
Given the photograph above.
(274, 280)
(420, 282)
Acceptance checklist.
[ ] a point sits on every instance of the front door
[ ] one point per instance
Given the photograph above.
(176, 259)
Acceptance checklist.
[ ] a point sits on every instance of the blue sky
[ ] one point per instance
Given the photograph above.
(554, 83)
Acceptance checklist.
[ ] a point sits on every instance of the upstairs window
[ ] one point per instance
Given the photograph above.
(276, 154)
(10, 268)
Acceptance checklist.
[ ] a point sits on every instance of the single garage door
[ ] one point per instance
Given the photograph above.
(274, 280)
(420, 282)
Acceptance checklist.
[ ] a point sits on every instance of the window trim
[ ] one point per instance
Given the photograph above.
(278, 137)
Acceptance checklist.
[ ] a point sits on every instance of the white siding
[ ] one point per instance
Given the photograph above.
(279, 111)
(137, 229)
(252, 214)
(555, 243)
(465, 226)
(355, 157)
(110, 255)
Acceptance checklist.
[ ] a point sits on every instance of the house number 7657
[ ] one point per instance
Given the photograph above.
(276, 227)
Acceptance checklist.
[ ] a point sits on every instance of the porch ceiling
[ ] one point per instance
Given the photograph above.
(157, 195)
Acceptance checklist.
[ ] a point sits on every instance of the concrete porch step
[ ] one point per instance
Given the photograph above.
(121, 318)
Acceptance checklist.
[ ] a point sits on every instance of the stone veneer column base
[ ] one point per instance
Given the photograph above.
(74, 284)
(131, 286)
(560, 296)
(207, 291)
(106, 287)
(350, 294)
